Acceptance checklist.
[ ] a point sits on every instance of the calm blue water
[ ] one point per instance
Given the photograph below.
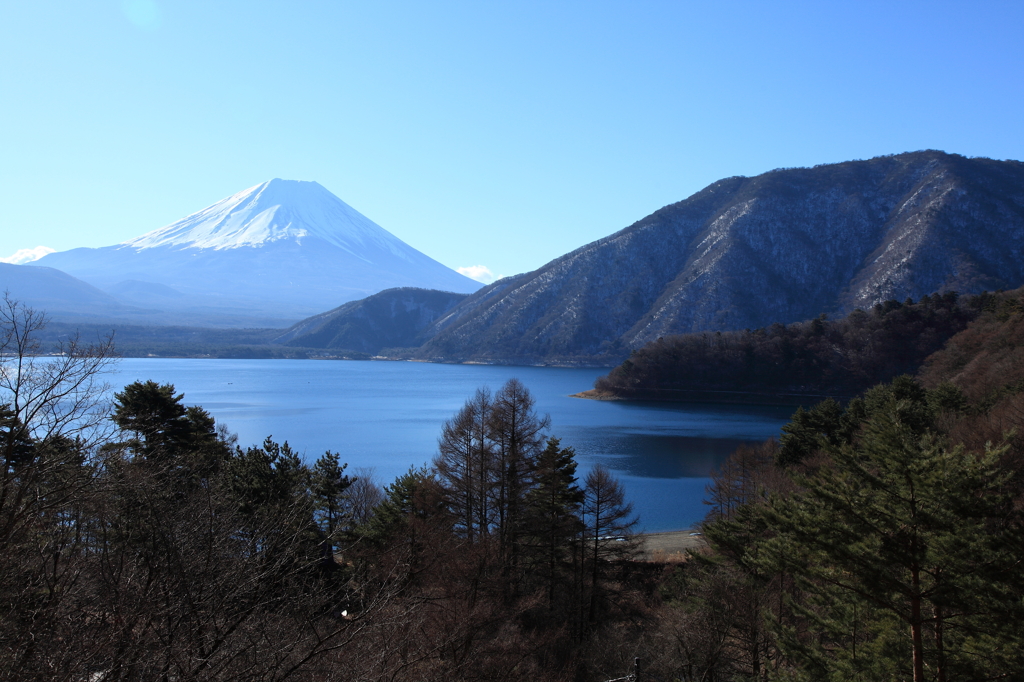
(386, 416)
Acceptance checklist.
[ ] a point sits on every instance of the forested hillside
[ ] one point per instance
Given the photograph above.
(870, 544)
(821, 357)
(395, 318)
(986, 363)
(880, 540)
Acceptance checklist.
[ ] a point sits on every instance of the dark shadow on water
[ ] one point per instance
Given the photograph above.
(783, 412)
(660, 456)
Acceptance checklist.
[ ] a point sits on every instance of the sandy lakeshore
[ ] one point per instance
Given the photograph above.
(672, 544)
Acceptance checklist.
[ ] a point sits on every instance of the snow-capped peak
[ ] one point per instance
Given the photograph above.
(272, 211)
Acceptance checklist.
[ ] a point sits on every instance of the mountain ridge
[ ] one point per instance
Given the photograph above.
(393, 318)
(783, 246)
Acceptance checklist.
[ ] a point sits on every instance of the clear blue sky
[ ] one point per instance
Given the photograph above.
(483, 133)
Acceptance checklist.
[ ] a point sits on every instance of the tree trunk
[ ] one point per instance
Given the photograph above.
(915, 625)
(940, 672)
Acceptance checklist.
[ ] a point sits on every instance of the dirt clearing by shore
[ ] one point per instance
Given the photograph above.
(671, 546)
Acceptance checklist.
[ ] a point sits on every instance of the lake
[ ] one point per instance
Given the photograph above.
(386, 417)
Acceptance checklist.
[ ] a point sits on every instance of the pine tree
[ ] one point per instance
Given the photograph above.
(901, 529)
(155, 415)
(552, 525)
(328, 484)
(182, 439)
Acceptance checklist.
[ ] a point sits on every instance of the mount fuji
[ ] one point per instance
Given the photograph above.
(276, 252)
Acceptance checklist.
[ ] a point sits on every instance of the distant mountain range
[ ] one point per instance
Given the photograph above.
(272, 254)
(782, 247)
(59, 294)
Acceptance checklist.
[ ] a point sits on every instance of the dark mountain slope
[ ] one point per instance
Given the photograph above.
(986, 360)
(747, 252)
(392, 318)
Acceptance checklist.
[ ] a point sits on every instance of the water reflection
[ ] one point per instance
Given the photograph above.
(658, 456)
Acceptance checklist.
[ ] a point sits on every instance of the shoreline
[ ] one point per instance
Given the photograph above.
(594, 394)
(671, 545)
(680, 395)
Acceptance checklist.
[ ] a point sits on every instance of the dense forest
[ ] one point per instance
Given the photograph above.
(867, 545)
(877, 540)
(820, 357)
(880, 540)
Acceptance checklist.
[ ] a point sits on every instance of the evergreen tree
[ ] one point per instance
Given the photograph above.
(328, 485)
(166, 432)
(268, 477)
(407, 530)
(899, 529)
(552, 524)
(413, 495)
(270, 488)
(810, 430)
(154, 414)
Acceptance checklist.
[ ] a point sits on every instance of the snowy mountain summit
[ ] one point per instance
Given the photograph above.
(273, 211)
(281, 250)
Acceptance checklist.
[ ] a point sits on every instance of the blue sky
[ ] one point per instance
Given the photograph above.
(491, 134)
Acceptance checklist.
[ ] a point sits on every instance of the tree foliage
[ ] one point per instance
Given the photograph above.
(910, 531)
(538, 540)
(869, 546)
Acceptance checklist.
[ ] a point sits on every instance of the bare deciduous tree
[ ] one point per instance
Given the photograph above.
(55, 391)
(609, 524)
(466, 465)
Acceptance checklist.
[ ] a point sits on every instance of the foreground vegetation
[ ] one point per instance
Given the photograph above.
(138, 541)
(868, 545)
(881, 539)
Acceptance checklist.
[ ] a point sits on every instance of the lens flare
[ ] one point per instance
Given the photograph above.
(143, 13)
